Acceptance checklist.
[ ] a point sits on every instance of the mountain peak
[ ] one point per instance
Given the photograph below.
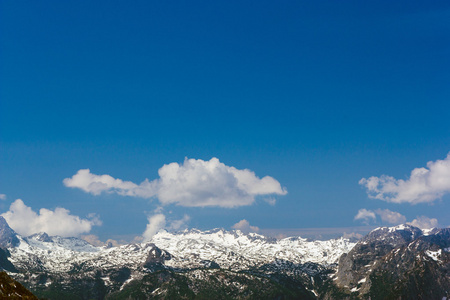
(8, 237)
(41, 236)
(397, 234)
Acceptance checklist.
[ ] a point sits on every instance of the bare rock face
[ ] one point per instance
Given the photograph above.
(401, 262)
(5, 264)
(355, 265)
(156, 258)
(417, 270)
(8, 237)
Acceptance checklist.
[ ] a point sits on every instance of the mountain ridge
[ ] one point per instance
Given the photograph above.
(192, 263)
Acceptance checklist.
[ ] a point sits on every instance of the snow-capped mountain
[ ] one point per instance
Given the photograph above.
(191, 249)
(237, 251)
(42, 261)
(58, 255)
(208, 264)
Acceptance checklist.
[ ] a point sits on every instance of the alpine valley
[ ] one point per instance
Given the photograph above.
(402, 262)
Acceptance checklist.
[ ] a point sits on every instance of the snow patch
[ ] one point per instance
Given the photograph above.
(435, 255)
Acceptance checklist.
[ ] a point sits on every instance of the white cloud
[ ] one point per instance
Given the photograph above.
(424, 184)
(272, 201)
(179, 224)
(212, 183)
(424, 222)
(244, 226)
(158, 221)
(96, 184)
(195, 183)
(60, 222)
(365, 215)
(2, 197)
(155, 224)
(388, 216)
(391, 217)
(94, 240)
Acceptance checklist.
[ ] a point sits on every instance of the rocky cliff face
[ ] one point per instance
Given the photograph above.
(354, 266)
(8, 237)
(156, 259)
(416, 270)
(400, 262)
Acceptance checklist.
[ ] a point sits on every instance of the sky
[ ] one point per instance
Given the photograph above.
(118, 119)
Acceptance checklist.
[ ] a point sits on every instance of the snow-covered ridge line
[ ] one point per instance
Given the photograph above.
(407, 227)
(188, 249)
(236, 250)
(63, 254)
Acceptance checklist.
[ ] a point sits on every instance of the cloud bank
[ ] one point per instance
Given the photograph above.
(424, 184)
(60, 222)
(195, 183)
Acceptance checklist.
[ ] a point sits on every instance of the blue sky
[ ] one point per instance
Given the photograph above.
(316, 95)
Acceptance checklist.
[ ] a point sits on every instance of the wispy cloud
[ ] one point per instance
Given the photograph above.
(391, 217)
(94, 240)
(352, 235)
(424, 184)
(195, 183)
(2, 197)
(179, 224)
(244, 226)
(271, 200)
(25, 221)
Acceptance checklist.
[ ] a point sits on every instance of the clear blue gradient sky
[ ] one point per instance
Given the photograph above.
(316, 94)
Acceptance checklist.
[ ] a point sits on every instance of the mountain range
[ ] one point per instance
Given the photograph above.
(402, 262)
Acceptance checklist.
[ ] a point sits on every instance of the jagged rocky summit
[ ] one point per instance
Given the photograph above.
(8, 238)
(220, 264)
(401, 262)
